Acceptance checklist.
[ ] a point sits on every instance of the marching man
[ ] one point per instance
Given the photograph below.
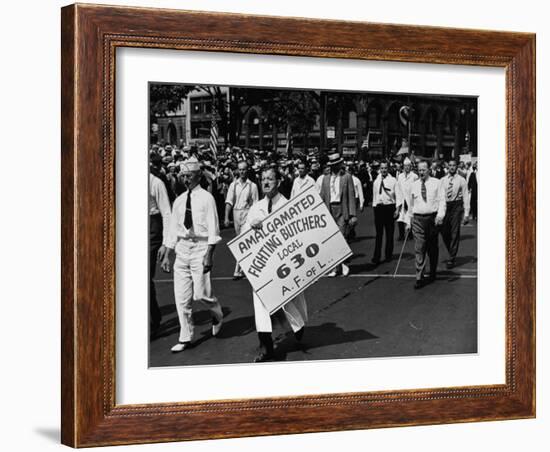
(337, 192)
(455, 188)
(402, 194)
(193, 234)
(303, 181)
(383, 204)
(296, 309)
(241, 194)
(426, 212)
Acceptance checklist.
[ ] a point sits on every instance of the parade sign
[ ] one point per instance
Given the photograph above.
(296, 245)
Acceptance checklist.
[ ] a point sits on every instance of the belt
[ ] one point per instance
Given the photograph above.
(425, 214)
(193, 239)
(335, 203)
(456, 201)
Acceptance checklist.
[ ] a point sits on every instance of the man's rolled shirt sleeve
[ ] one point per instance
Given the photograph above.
(441, 202)
(213, 222)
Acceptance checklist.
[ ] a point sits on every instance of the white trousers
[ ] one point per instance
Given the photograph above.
(191, 284)
(239, 219)
(295, 312)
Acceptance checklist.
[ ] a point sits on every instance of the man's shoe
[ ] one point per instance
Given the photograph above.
(345, 270)
(179, 347)
(418, 284)
(375, 261)
(216, 325)
(332, 274)
(299, 334)
(450, 264)
(264, 356)
(238, 276)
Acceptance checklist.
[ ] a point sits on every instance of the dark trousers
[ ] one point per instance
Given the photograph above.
(450, 229)
(473, 204)
(155, 242)
(338, 215)
(384, 223)
(426, 236)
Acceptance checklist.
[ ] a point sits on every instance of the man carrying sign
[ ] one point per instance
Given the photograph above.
(296, 309)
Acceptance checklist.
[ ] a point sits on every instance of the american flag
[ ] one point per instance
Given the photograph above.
(289, 142)
(214, 133)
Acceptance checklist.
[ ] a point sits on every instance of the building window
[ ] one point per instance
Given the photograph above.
(201, 106)
(200, 129)
(352, 120)
(373, 117)
(448, 123)
(431, 122)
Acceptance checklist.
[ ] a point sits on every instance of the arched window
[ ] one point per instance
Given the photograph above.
(373, 116)
(449, 122)
(394, 123)
(172, 134)
(352, 120)
(431, 121)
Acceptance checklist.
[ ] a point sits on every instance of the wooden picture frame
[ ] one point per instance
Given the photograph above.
(90, 36)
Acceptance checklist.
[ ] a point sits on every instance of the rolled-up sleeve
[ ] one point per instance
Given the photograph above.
(441, 201)
(230, 198)
(212, 222)
(255, 195)
(171, 236)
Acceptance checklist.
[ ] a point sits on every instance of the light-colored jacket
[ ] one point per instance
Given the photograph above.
(347, 194)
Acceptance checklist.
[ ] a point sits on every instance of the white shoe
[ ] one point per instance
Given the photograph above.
(179, 347)
(345, 270)
(332, 274)
(217, 327)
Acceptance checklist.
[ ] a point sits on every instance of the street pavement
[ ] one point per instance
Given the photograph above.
(370, 313)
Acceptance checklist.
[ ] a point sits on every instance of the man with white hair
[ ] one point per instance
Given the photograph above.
(193, 234)
(402, 193)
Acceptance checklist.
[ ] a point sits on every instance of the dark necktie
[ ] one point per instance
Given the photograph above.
(188, 222)
(450, 189)
(269, 205)
(424, 194)
(381, 186)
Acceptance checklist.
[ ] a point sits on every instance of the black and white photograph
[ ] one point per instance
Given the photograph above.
(303, 224)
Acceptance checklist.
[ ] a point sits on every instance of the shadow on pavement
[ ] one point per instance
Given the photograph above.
(237, 327)
(463, 260)
(320, 336)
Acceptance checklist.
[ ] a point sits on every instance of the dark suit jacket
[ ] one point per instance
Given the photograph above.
(347, 194)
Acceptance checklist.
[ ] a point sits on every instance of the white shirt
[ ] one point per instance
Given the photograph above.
(334, 186)
(403, 187)
(300, 184)
(259, 211)
(159, 203)
(454, 187)
(387, 196)
(358, 188)
(435, 198)
(205, 218)
(241, 195)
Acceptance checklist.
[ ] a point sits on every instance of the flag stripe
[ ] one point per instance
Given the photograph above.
(214, 133)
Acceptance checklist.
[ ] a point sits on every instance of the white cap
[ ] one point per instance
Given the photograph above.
(191, 164)
(407, 161)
